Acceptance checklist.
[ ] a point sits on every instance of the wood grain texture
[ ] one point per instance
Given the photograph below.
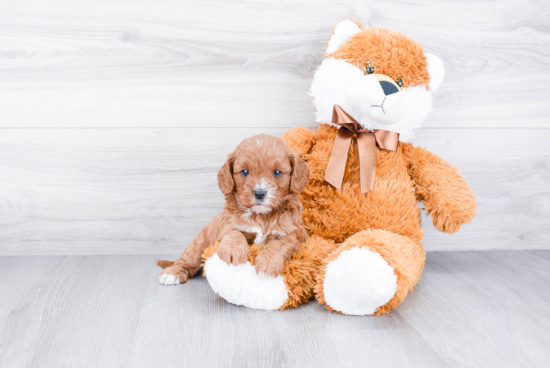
(186, 81)
(213, 63)
(471, 309)
(508, 171)
(142, 191)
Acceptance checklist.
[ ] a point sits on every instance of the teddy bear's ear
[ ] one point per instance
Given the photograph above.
(436, 70)
(343, 32)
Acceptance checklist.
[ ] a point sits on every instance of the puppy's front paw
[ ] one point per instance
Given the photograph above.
(233, 252)
(269, 264)
(168, 279)
(174, 275)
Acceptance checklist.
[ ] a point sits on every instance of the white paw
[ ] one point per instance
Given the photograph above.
(241, 285)
(168, 279)
(358, 282)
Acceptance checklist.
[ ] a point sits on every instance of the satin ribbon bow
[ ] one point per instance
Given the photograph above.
(366, 142)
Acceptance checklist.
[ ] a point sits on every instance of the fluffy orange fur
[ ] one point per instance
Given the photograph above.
(405, 256)
(386, 219)
(391, 53)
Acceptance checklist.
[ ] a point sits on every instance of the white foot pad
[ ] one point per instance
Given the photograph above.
(168, 279)
(358, 282)
(241, 285)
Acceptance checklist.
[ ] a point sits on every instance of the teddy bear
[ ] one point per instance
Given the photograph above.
(371, 93)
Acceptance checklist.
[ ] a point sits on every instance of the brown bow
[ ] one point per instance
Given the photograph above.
(366, 142)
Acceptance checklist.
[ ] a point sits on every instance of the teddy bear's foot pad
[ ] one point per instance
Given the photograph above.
(358, 282)
(241, 285)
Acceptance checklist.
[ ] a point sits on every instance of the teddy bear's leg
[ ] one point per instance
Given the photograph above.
(300, 273)
(370, 273)
(242, 285)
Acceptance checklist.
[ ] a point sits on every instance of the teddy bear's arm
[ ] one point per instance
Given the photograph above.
(446, 195)
(300, 140)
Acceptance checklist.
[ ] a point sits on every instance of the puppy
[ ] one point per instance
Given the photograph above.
(261, 180)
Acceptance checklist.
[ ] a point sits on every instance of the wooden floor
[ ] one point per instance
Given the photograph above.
(471, 309)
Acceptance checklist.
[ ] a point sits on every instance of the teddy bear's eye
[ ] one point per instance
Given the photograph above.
(399, 82)
(369, 69)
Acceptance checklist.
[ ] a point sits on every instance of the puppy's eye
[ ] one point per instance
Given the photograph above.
(245, 172)
(277, 173)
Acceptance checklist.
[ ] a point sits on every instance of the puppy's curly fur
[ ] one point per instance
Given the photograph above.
(261, 180)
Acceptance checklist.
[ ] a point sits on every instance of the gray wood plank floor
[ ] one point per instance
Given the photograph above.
(471, 309)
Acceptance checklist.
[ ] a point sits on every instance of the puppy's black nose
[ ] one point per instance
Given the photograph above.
(259, 194)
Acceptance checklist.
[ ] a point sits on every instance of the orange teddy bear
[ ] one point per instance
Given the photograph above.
(372, 91)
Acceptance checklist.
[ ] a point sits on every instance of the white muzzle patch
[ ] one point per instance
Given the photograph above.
(366, 96)
(261, 209)
(337, 82)
(264, 206)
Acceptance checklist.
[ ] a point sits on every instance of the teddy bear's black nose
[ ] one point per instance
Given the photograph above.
(388, 88)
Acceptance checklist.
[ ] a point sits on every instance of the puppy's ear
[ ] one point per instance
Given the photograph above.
(225, 176)
(300, 173)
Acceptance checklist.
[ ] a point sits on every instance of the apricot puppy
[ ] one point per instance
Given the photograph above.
(261, 180)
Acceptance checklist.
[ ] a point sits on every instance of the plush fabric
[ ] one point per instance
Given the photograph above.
(299, 277)
(364, 254)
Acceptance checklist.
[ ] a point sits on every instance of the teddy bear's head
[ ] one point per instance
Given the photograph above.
(381, 78)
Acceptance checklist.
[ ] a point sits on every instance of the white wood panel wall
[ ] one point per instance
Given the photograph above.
(116, 115)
